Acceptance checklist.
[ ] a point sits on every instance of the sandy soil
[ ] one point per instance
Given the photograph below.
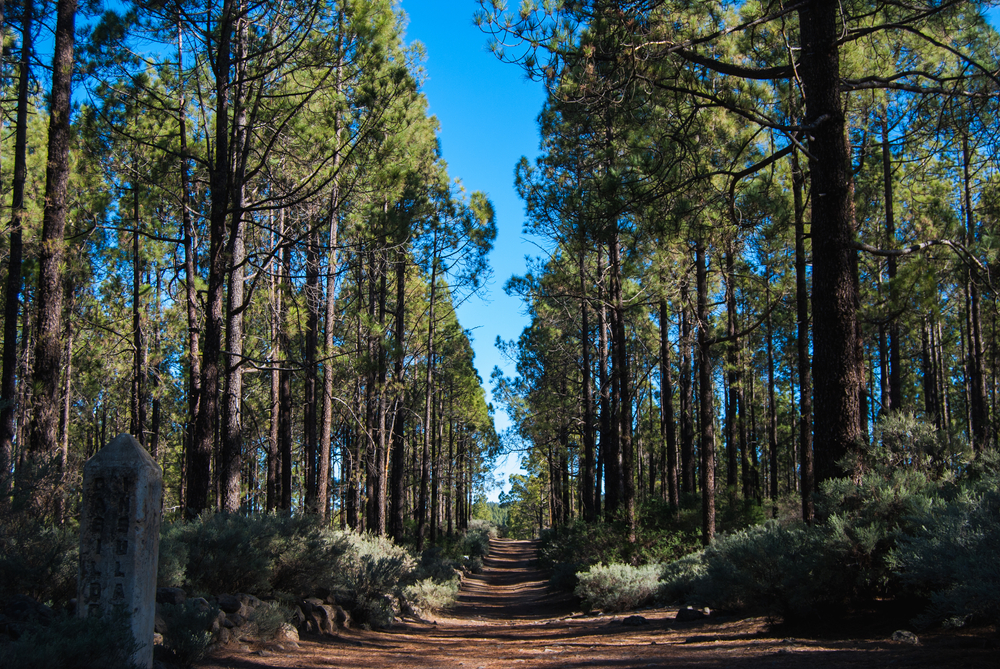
(505, 618)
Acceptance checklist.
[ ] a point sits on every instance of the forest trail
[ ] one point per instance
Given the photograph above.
(506, 618)
(510, 587)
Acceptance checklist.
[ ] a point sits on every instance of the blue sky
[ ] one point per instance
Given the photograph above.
(487, 110)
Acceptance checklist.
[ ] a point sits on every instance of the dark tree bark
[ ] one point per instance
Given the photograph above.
(668, 430)
(686, 397)
(398, 458)
(199, 475)
(807, 483)
(587, 466)
(139, 371)
(837, 369)
(733, 377)
(310, 400)
(605, 384)
(12, 301)
(978, 402)
(706, 401)
(44, 439)
(895, 381)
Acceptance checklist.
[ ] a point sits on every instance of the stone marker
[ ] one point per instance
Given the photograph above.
(120, 538)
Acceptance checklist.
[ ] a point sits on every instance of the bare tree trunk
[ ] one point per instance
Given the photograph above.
(310, 399)
(733, 376)
(139, 372)
(706, 401)
(200, 455)
(12, 301)
(686, 399)
(425, 465)
(838, 375)
(44, 439)
(602, 357)
(587, 466)
(668, 429)
(978, 405)
(802, 341)
(895, 382)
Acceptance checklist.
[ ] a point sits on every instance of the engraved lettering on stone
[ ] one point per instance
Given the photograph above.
(123, 495)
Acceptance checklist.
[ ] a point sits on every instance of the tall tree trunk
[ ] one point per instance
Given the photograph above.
(425, 465)
(45, 378)
(978, 405)
(381, 448)
(200, 455)
(895, 382)
(190, 256)
(668, 429)
(802, 341)
(772, 409)
(285, 374)
(329, 320)
(139, 371)
(605, 382)
(706, 401)
(310, 399)
(627, 449)
(733, 375)
(398, 464)
(686, 400)
(12, 301)
(587, 466)
(837, 369)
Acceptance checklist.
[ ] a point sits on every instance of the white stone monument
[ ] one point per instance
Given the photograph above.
(120, 538)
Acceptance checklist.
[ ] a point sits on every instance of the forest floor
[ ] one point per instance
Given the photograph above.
(506, 618)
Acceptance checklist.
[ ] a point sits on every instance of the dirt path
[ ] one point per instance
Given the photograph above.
(506, 619)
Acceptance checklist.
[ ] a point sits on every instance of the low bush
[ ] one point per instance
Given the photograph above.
(950, 559)
(104, 642)
(769, 569)
(269, 617)
(187, 635)
(38, 561)
(431, 595)
(371, 573)
(262, 553)
(568, 549)
(618, 587)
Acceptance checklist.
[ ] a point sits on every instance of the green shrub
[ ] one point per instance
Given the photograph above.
(772, 570)
(370, 573)
(188, 632)
(476, 541)
(104, 642)
(262, 553)
(38, 561)
(680, 579)
(618, 587)
(951, 559)
(269, 617)
(430, 595)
